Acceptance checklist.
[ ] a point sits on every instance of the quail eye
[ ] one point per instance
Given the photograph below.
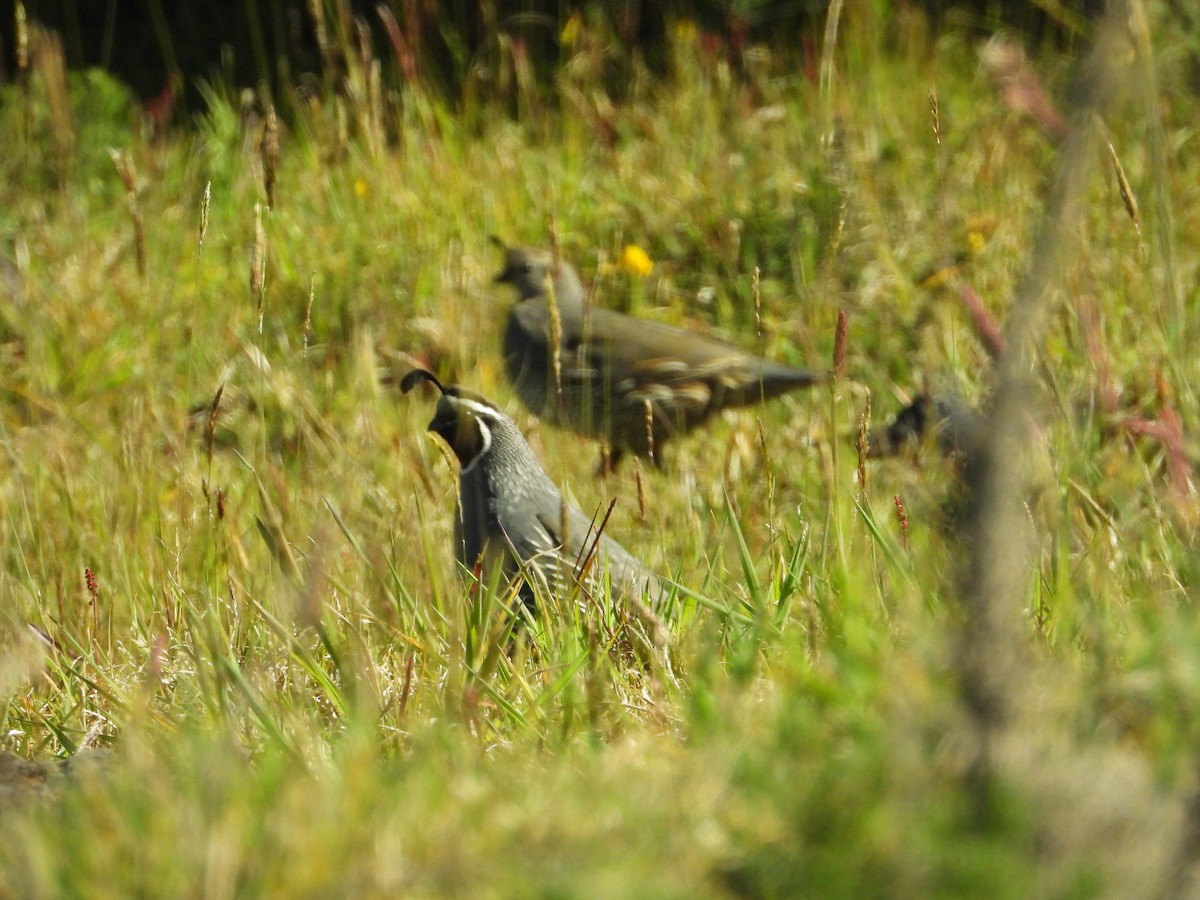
(527, 268)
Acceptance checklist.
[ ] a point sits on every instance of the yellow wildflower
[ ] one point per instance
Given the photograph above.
(636, 260)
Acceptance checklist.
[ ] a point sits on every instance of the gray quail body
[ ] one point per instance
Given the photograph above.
(511, 514)
(630, 383)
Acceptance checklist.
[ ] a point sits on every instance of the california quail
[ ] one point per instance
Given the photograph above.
(510, 512)
(629, 383)
(957, 427)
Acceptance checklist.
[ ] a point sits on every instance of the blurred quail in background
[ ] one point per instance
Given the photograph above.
(956, 428)
(629, 383)
(511, 514)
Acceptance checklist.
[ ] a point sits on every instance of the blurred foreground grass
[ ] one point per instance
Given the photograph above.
(299, 695)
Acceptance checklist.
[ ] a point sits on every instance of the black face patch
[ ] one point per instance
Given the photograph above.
(462, 425)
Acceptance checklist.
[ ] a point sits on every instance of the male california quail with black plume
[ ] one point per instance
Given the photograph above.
(510, 513)
(630, 383)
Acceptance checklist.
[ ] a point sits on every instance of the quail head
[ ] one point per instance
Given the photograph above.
(957, 428)
(630, 383)
(511, 514)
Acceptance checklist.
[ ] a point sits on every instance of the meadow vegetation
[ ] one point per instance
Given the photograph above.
(226, 566)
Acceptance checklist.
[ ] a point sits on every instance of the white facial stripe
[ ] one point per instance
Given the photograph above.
(477, 407)
(486, 434)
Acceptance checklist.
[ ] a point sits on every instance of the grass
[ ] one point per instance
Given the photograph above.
(300, 694)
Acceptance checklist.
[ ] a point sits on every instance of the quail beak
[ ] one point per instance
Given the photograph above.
(508, 275)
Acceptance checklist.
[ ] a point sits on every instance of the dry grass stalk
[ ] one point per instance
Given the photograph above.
(756, 289)
(935, 115)
(205, 203)
(406, 41)
(650, 452)
(93, 586)
(316, 9)
(210, 427)
(22, 37)
(312, 294)
(1158, 145)
(641, 489)
(1127, 197)
(375, 101)
(902, 519)
(129, 180)
(1088, 311)
(862, 444)
(986, 326)
(555, 333)
(839, 347)
(258, 264)
(268, 148)
(564, 534)
(271, 529)
(828, 51)
(48, 61)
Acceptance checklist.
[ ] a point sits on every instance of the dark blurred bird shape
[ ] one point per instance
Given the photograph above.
(955, 428)
(511, 514)
(629, 383)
